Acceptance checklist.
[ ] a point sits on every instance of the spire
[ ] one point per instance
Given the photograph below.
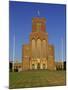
(38, 13)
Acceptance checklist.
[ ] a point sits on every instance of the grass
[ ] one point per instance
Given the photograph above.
(39, 78)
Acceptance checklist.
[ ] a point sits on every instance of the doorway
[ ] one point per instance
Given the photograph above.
(38, 66)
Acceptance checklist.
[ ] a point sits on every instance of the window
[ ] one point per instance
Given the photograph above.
(19, 66)
(38, 66)
(33, 49)
(38, 27)
(44, 48)
(38, 48)
(33, 66)
(43, 66)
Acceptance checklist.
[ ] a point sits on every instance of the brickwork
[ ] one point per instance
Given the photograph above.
(38, 54)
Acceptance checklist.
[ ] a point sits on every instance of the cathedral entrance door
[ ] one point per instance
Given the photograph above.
(38, 66)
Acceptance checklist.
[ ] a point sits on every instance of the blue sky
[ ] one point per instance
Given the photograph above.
(20, 24)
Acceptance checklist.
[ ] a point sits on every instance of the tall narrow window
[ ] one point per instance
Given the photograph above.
(38, 27)
(38, 48)
(43, 66)
(33, 49)
(38, 66)
(44, 48)
(33, 66)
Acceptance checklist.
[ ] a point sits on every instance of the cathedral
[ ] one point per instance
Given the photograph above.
(38, 53)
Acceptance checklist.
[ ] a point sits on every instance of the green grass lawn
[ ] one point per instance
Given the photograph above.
(39, 78)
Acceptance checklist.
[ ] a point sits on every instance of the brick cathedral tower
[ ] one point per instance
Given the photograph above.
(38, 54)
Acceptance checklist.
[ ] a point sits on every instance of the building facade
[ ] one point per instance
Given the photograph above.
(17, 66)
(38, 53)
(59, 65)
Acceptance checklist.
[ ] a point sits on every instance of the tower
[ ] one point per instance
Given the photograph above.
(39, 55)
(38, 42)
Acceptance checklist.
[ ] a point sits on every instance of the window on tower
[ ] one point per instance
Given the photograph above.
(38, 27)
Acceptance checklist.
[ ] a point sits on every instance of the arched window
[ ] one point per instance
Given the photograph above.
(33, 66)
(44, 48)
(38, 27)
(33, 49)
(43, 66)
(38, 66)
(38, 48)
